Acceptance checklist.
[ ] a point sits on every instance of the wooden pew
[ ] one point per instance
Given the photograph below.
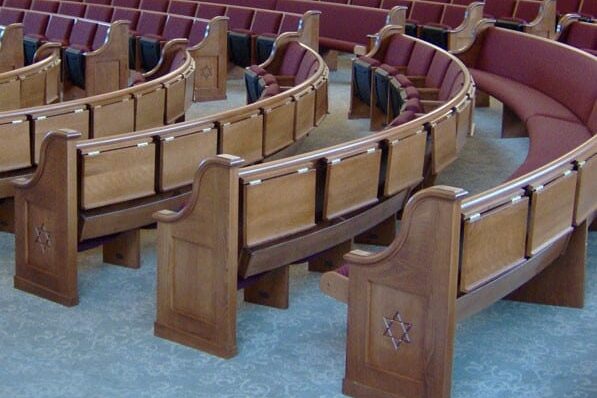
(33, 85)
(524, 240)
(11, 47)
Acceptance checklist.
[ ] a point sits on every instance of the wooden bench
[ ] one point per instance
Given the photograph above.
(33, 85)
(256, 220)
(111, 186)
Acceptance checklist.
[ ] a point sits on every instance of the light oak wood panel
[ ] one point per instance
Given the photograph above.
(406, 158)
(279, 133)
(18, 154)
(444, 148)
(117, 175)
(113, 118)
(11, 95)
(305, 113)
(149, 109)
(32, 92)
(77, 120)
(243, 138)
(586, 191)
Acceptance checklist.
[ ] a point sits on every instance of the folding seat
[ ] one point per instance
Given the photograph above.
(437, 33)
(526, 11)
(423, 14)
(34, 29)
(8, 16)
(126, 3)
(45, 6)
(209, 11)
(99, 13)
(497, 9)
(241, 40)
(100, 37)
(150, 45)
(239, 49)
(186, 8)
(72, 9)
(154, 5)
(197, 33)
(150, 26)
(265, 41)
(80, 42)
(132, 16)
(22, 4)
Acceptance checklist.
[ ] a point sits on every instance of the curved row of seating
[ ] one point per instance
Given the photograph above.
(524, 239)
(578, 33)
(121, 180)
(33, 85)
(208, 41)
(162, 99)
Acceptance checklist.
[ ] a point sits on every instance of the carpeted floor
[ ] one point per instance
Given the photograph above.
(105, 346)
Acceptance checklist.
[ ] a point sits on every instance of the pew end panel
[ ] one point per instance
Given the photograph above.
(402, 304)
(405, 161)
(17, 155)
(544, 24)
(11, 50)
(112, 116)
(242, 135)
(279, 132)
(45, 223)
(464, 35)
(211, 59)
(188, 257)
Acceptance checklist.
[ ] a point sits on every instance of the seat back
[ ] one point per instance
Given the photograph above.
(527, 10)
(589, 9)
(45, 6)
(150, 23)
(448, 81)
(240, 18)
(99, 13)
(197, 32)
(437, 70)
(59, 28)
(398, 51)
(307, 68)
(420, 59)
(35, 23)
(177, 27)
(126, 3)
(99, 2)
(125, 14)
(82, 34)
(290, 23)
(100, 37)
(424, 13)
(366, 3)
(154, 5)
(22, 4)
(72, 9)
(186, 8)
(453, 16)
(499, 8)
(209, 11)
(291, 61)
(266, 22)
(580, 35)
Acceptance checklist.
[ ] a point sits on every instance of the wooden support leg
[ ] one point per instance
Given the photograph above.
(512, 126)
(331, 258)
(7, 215)
(563, 282)
(271, 290)
(125, 250)
(382, 234)
(481, 99)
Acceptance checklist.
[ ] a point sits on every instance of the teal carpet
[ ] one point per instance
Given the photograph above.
(105, 346)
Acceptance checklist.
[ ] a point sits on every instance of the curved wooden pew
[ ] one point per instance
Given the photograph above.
(524, 239)
(308, 206)
(578, 32)
(121, 180)
(33, 85)
(158, 101)
(11, 45)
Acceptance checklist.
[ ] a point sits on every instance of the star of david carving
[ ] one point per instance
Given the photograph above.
(205, 72)
(404, 328)
(43, 238)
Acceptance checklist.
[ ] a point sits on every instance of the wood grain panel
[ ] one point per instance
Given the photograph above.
(351, 183)
(180, 156)
(305, 114)
(78, 121)
(11, 95)
(321, 102)
(444, 144)
(586, 191)
(406, 158)
(114, 118)
(32, 90)
(18, 153)
(243, 138)
(278, 207)
(149, 109)
(175, 100)
(117, 175)
(278, 133)
(493, 243)
(552, 208)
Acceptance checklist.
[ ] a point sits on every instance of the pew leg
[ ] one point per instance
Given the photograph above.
(7, 215)
(561, 283)
(331, 258)
(512, 126)
(271, 290)
(331, 59)
(124, 250)
(593, 226)
(481, 99)
(381, 235)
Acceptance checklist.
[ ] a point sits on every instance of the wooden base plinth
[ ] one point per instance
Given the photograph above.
(330, 259)
(271, 290)
(42, 291)
(124, 250)
(193, 341)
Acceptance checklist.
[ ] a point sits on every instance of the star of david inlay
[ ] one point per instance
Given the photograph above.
(404, 328)
(43, 238)
(205, 72)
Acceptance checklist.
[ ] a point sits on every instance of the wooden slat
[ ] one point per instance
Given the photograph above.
(351, 183)
(552, 208)
(180, 156)
(78, 121)
(117, 175)
(278, 207)
(15, 151)
(243, 138)
(444, 144)
(321, 102)
(406, 158)
(278, 132)
(586, 190)
(493, 243)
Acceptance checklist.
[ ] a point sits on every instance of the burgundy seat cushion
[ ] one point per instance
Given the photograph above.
(420, 59)
(186, 8)
(371, 61)
(292, 59)
(197, 32)
(35, 23)
(398, 51)
(266, 22)
(437, 70)
(550, 138)
(99, 13)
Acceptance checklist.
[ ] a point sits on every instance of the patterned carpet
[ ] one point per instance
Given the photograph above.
(105, 346)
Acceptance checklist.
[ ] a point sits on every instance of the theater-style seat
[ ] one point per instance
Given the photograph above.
(8, 16)
(423, 14)
(265, 41)
(99, 13)
(72, 9)
(149, 31)
(126, 3)
(582, 35)
(45, 6)
(22, 4)
(209, 11)
(526, 11)
(150, 45)
(186, 8)
(197, 32)
(241, 40)
(437, 33)
(80, 41)
(58, 31)
(132, 16)
(154, 5)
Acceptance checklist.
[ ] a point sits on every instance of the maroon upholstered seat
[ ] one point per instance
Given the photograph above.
(126, 3)
(420, 59)
(445, 89)
(22, 4)
(589, 9)
(292, 58)
(580, 35)
(197, 32)
(124, 14)
(176, 27)
(82, 35)
(305, 68)
(568, 6)
(209, 11)
(437, 70)
(389, 4)
(59, 29)
(499, 8)
(150, 23)
(425, 13)
(8, 16)
(72, 9)
(99, 13)
(186, 8)
(45, 5)
(100, 2)
(289, 23)
(398, 51)
(35, 24)
(101, 34)
(266, 22)
(240, 18)
(403, 117)
(453, 16)
(154, 5)
(366, 3)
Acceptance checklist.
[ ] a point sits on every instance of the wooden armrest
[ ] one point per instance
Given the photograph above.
(334, 285)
